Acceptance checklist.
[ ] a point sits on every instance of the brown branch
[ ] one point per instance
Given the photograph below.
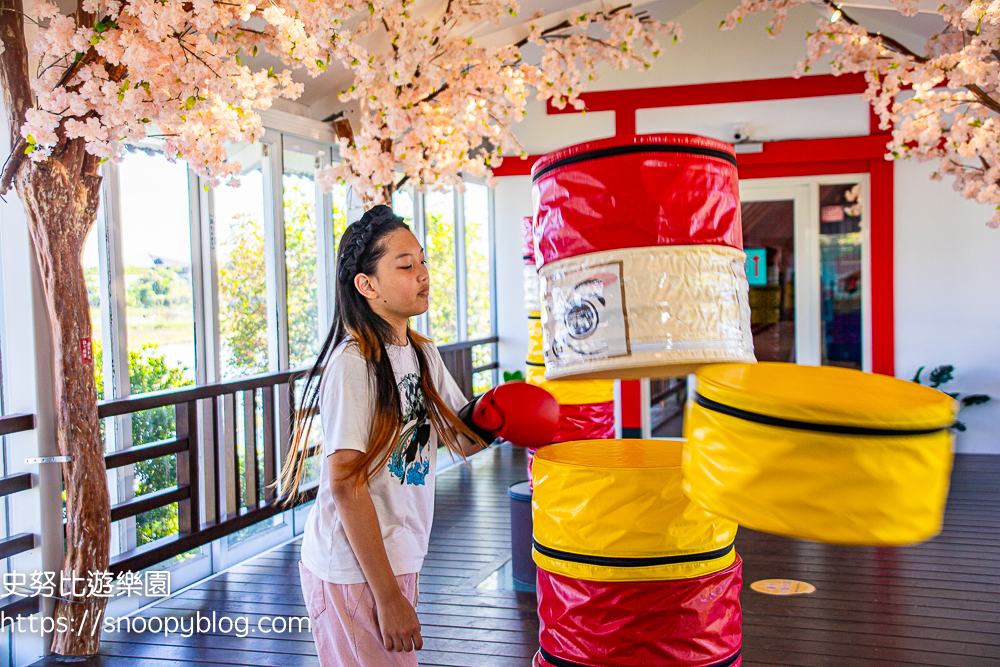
(444, 87)
(981, 95)
(893, 44)
(392, 42)
(23, 15)
(984, 98)
(14, 80)
(200, 59)
(568, 24)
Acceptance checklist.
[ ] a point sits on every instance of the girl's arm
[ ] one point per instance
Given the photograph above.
(452, 396)
(397, 619)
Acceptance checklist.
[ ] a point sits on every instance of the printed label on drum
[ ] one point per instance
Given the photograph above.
(585, 310)
(782, 587)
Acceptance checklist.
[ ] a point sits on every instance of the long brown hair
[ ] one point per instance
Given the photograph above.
(362, 245)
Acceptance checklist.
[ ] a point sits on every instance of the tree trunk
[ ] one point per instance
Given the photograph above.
(60, 197)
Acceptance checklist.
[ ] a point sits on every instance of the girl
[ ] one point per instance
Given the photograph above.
(385, 399)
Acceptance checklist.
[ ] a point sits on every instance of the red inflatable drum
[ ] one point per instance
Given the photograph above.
(639, 249)
(681, 622)
(589, 421)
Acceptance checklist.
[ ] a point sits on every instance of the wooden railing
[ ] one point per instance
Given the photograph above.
(457, 358)
(12, 605)
(228, 507)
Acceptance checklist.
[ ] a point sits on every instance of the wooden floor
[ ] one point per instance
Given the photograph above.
(933, 604)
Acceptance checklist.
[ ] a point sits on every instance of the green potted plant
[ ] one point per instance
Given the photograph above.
(943, 375)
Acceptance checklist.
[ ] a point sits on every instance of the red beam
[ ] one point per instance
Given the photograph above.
(817, 150)
(841, 155)
(515, 166)
(803, 169)
(722, 92)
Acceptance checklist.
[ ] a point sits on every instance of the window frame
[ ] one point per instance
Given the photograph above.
(206, 301)
(461, 269)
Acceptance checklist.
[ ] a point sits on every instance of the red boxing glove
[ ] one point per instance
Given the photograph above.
(523, 414)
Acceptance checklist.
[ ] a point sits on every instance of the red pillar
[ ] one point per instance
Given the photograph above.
(631, 397)
(882, 275)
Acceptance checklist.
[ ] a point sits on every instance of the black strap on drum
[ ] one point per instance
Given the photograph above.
(611, 561)
(634, 148)
(841, 429)
(561, 662)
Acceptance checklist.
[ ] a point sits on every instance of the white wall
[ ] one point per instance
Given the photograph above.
(948, 295)
(512, 201)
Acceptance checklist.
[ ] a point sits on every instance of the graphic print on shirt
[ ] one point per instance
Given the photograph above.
(410, 461)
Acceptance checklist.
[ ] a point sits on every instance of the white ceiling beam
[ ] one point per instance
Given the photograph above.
(515, 33)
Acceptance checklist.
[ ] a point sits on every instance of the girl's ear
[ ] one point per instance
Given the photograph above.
(364, 286)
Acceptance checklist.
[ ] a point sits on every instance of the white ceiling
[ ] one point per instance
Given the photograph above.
(320, 96)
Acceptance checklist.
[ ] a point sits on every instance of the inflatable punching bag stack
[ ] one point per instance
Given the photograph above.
(638, 245)
(639, 251)
(586, 407)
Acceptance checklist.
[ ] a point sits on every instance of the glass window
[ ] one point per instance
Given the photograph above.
(339, 217)
(482, 355)
(156, 249)
(477, 261)
(239, 241)
(299, 198)
(156, 256)
(96, 284)
(440, 253)
(402, 205)
(840, 286)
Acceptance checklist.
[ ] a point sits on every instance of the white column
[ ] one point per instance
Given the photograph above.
(28, 384)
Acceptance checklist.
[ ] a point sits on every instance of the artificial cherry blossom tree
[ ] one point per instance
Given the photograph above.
(942, 104)
(441, 102)
(438, 88)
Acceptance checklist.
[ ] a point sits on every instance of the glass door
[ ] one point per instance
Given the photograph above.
(782, 296)
(806, 251)
(841, 246)
(807, 269)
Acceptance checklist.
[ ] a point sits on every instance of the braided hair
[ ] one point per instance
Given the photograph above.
(359, 234)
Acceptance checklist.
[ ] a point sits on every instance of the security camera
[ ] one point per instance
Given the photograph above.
(740, 134)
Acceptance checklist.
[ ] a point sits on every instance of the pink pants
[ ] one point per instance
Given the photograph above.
(345, 624)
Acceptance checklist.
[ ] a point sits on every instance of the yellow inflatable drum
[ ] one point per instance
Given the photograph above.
(617, 512)
(820, 453)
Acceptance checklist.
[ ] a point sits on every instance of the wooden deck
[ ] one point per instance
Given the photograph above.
(934, 604)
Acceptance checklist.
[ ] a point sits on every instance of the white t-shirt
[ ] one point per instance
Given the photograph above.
(403, 491)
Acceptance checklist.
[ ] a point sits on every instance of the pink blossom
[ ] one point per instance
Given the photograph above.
(950, 115)
(444, 102)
